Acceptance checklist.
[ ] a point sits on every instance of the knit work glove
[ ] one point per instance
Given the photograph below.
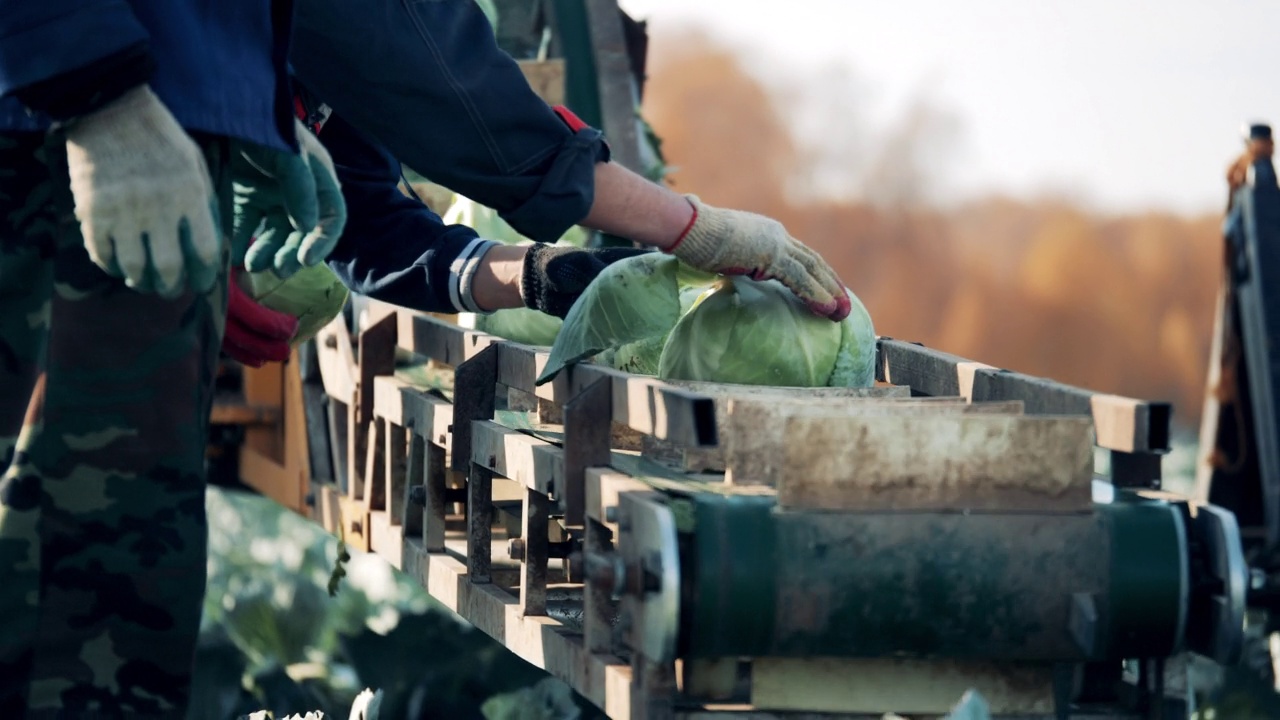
(143, 196)
(555, 276)
(255, 335)
(733, 242)
(291, 202)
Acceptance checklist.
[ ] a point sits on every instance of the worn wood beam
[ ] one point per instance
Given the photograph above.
(890, 462)
(1121, 423)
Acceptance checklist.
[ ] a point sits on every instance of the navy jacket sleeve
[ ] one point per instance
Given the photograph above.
(43, 40)
(394, 248)
(428, 80)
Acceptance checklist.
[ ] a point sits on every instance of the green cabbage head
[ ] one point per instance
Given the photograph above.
(751, 333)
(652, 315)
(314, 295)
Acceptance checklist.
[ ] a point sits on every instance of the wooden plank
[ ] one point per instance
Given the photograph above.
(284, 476)
(533, 463)
(268, 477)
(395, 458)
(644, 404)
(546, 77)
(387, 401)
(713, 459)
(354, 517)
(429, 417)
(540, 640)
(264, 386)
(586, 442)
(375, 474)
(755, 435)
(386, 539)
(327, 512)
(1122, 423)
(519, 367)
(729, 391)
(904, 686)
(973, 462)
(651, 406)
(604, 487)
(377, 357)
(337, 360)
(478, 375)
(479, 524)
(533, 565)
(415, 477)
(433, 338)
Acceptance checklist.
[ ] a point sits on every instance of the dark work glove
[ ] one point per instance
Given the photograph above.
(555, 275)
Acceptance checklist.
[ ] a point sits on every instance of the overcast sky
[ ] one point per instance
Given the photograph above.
(1133, 103)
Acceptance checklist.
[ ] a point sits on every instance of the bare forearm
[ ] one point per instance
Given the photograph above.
(629, 206)
(626, 205)
(497, 282)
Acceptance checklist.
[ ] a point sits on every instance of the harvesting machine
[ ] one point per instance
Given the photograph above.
(694, 550)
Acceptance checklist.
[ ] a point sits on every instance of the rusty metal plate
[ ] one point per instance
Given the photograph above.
(647, 545)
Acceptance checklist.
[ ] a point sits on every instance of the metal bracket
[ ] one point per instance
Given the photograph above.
(1218, 632)
(479, 376)
(647, 545)
(587, 424)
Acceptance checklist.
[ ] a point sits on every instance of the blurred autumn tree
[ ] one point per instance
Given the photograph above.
(1117, 304)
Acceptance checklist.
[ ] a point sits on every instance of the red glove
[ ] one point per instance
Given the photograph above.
(255, 335)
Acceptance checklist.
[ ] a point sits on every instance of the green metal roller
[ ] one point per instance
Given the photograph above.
(1123, 581)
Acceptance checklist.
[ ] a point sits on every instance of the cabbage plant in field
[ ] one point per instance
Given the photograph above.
(653, 315)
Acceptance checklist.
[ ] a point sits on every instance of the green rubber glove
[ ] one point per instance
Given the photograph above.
(292, 203)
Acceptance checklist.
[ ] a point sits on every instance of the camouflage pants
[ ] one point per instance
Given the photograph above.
(102, 517)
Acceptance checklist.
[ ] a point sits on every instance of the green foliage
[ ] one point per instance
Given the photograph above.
(273, 639)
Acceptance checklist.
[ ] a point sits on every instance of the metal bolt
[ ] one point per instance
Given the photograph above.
(355, 526)
(310, 499)
(611, 514)
(418, 494)
(331, 342)
(605, 571)
(573, 567)
(515, 549)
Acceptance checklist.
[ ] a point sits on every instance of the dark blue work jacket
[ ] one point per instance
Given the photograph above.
(219, 65)
(424, 82)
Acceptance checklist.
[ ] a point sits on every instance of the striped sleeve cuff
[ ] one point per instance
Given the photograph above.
(461, 273)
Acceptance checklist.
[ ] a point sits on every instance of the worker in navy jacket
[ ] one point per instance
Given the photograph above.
(122, 123)
(426, 84)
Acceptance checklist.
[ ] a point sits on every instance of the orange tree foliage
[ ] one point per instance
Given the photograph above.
(1117, 304)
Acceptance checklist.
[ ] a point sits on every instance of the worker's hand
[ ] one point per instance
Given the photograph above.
(554, 276)
(143, 196)
(292, 203)
(255, 335)
(733, 242)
